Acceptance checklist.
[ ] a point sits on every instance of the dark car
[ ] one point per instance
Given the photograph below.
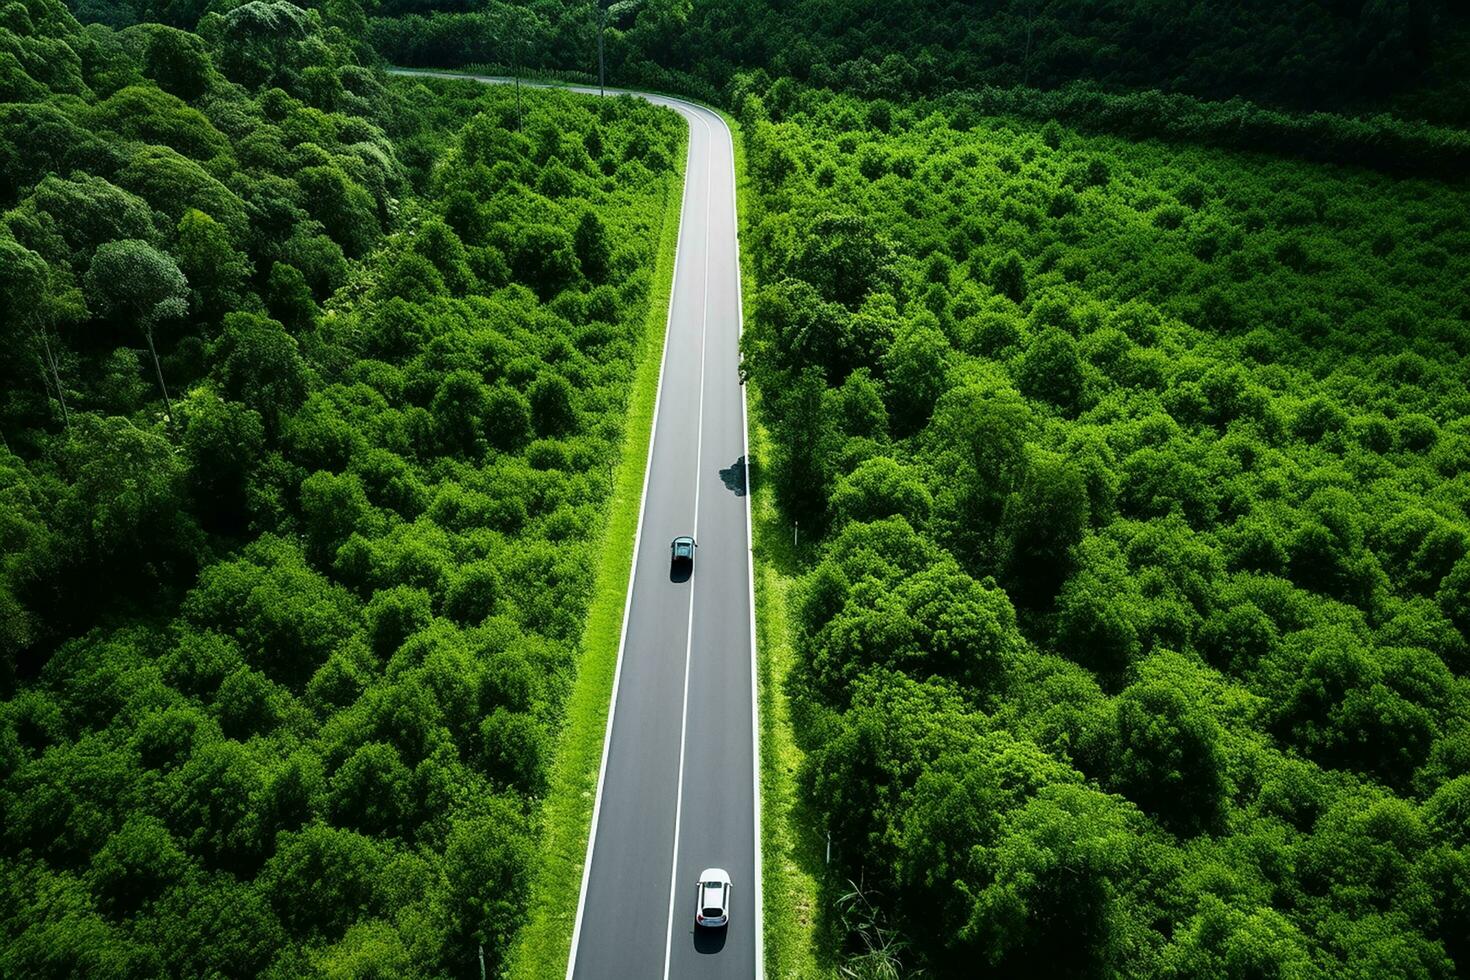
(681, 553)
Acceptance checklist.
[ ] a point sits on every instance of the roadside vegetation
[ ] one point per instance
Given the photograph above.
(542, 948)
(1135, 639)
(314, 392)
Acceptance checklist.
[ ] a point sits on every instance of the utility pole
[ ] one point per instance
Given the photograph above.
(1031, 14)
(168, 406)
(50, 362)
(617, 8)
(515, 60)
(601, 73)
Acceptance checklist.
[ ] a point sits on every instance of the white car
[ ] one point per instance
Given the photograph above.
(713, 910)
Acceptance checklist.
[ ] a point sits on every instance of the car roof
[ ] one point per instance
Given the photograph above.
(714, 874)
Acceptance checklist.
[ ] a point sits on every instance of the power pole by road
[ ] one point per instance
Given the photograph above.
(515, 58)
(604, 7)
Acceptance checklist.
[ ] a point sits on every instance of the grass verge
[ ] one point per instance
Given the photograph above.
(789, 846)
(541, 949)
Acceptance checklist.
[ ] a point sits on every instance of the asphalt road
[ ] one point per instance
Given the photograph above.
(678, 789)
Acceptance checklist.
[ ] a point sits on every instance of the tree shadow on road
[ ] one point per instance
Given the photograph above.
(734, 477)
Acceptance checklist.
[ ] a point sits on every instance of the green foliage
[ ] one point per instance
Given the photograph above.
(134, 280)
(1050, 370)
(1335, 57)
(178, 62)
(151, 115)
(1049, 890)
(879, 488)
(1114, 493)
(259, 364)
(552, 412)
(218, 925)
(372, 791)
(343, 207)
(321, 880)
(883, 607)
(289, 298)
(127, 483)
(1044, 519)
(594, 253)
(1008, 277)
(67, 219)
(288, 594)
(474, 593)
(915, 369)
(514, 750)
(844, 258)
(135, 866)
(1126, 468)
(487, 859)
(172, 184)
(803, 472)
(211, 807)
(216, 271)
(221, 441)
(1165, 750)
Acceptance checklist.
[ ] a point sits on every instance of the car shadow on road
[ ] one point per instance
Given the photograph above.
(709, 941)
(734, 477)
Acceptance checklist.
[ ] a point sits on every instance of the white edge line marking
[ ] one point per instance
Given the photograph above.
(760, 961)
(689, 638)
(632, 578)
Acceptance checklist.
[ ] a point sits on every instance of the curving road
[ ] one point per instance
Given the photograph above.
(678, 791)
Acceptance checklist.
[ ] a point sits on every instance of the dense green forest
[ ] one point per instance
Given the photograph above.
(1408, 56)
(310, 384)
(1411, 57)
(1112, 357)
(1136, 643)
(1385, 85)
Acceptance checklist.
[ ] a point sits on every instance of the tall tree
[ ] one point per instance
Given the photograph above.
(133, 279)
(24, 302)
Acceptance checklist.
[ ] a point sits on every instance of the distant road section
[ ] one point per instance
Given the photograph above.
(678, 789)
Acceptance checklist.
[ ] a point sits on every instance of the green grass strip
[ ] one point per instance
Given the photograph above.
(544, 942)
(789, 843)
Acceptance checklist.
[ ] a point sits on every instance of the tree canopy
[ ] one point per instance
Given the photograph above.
(300, 483)
(1129, 633)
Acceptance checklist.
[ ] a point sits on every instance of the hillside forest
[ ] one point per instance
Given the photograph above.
(1136, 642)
(310, 383)
(1410, 58)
